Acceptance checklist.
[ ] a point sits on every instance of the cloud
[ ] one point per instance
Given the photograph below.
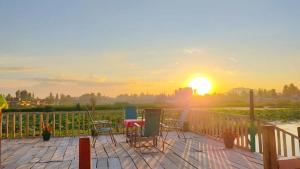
(92, 81)
(233, 59)
(7, 69)
(194, 51)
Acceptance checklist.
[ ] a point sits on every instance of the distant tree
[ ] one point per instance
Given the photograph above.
(8, 97)
(78, 106)
(56, 100)
(290, 90)
(50, 98)
(18, 94)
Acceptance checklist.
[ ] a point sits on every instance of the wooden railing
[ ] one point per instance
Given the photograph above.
(29, 124)
(287, 143)
(214, 124)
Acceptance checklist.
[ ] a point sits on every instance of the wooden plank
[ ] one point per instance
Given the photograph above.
(53, 164)
(78, 125)
(47, 157)
(34, 120)
(14, 125)
(1, 123)
(20, 125)
(83, 123)
(60, 116)
(41, 123)
(47, 118)
(39, 165)
(73, 121)
(59, 153)
(136, 158)
(27, 124)
(278, 142)
(67, 124)
(69, 153)
(65, 164)
(127, 163)
(53, 124)
(102, 163)
(293, 145)
(114, 163)
(7, 124)
(284, 144)
(269, 147)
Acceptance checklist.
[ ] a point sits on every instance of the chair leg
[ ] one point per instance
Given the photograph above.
(177, 131)
(112, 138)
(164, 140)
(183, 135)
(94, 142)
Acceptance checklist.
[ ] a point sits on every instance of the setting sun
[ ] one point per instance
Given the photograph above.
(200, 85)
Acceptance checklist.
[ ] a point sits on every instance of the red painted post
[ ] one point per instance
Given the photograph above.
(84, 153)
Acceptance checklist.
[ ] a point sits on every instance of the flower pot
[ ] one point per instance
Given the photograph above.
(229, 142)
(46, 136)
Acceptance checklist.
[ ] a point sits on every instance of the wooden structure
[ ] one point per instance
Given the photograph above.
(203, 122)
(85, 153)
(63, 152)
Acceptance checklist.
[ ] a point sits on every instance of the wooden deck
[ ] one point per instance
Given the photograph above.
(62, 152)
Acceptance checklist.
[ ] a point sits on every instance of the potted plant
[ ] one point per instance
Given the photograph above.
(46, 132)
(228, 137)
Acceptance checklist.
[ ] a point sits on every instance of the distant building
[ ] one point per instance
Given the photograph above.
(186, 92)
(241, 91)
(183, 96)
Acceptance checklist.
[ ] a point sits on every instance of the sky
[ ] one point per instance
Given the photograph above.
(134, 46)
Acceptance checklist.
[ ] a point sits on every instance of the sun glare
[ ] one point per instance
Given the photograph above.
(200, 85)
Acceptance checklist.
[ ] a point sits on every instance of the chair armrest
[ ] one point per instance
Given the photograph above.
(102, 122)
(137, 125)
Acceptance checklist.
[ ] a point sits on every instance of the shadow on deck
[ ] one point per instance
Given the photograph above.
(62, 152)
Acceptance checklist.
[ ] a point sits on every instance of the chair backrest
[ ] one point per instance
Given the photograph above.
(91, 118)
(152, 122)
(130, 112)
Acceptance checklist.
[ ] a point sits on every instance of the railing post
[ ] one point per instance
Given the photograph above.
(252, 129)
(298, 129)
(269, 147)
(84, 153)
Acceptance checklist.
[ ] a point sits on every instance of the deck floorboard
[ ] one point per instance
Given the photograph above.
(62, 152)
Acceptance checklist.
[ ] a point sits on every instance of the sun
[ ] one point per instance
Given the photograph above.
(200, 85)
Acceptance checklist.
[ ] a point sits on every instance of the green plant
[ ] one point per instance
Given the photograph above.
(228, 137)
(46, 132)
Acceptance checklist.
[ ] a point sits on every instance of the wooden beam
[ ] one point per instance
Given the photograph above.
(84, 153)
(269, 147)
(252, 117)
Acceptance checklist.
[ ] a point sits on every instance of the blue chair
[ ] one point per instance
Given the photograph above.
(130, 112)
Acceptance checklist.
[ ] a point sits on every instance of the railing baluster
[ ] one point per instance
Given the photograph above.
(41, 123)
(78, 127)
(27, 124)
(53, 124)
(73, 121)
(242, 134)
(14, 125)
(60, 116)
(34, 125)
(259, 137)
(67, 124)
(1, 122)
(284, 144)
(7, 125)
(278, 142)
(47, 118)
(20, 124)
(293, 145)
(83, 123)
